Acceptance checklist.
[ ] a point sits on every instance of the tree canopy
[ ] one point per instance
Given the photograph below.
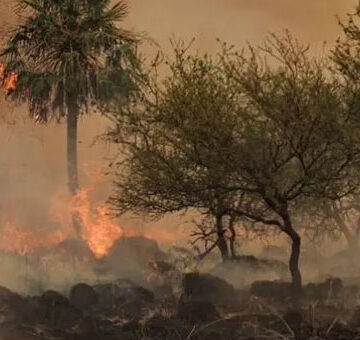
(68, 50)
(70, 57)
(247, 135)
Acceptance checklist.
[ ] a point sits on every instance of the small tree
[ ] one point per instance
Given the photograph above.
(70, 57)
(341, 215)
(239, 138)
(298, 144)
(175, 136)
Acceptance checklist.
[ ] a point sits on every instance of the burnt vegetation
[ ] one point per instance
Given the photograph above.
(255, 143)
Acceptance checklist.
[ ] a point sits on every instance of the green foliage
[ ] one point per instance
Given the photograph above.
(181, 128)
(329, 218)
(71, 51)
(245, 135)
(346, 59)
(234, 134)
(298, 140)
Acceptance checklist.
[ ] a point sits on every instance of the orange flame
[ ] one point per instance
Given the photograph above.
(24, 242)
(9, 80)
(99, 230)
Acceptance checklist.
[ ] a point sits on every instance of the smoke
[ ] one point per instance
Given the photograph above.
(237, 21)
(33, 158)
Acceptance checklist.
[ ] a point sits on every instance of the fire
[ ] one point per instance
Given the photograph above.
(8, 81)
(99, 230)
(24, 242)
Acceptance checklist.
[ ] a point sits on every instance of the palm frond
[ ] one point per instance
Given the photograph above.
(71, 48)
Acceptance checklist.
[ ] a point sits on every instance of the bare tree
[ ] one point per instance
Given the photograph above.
(298, 143)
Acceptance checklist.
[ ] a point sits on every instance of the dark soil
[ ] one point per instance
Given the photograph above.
(207, 308)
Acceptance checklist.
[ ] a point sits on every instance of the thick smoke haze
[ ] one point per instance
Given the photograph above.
(237, 21)
(32, 157)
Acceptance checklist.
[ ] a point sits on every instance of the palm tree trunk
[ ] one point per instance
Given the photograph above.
(72, 164)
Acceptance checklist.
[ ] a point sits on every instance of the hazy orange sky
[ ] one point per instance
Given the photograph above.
(231, 20)
(236, 21)
(32, 158)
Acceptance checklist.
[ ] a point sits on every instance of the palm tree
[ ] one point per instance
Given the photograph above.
(70, 58)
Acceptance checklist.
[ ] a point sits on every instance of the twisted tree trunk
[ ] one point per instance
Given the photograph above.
(294, 261)
(295, 275)
(222, 244)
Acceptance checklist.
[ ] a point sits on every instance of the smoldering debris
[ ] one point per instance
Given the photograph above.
(138, 288)
(122, 309)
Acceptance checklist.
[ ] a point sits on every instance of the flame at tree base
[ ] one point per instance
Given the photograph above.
(98, 228)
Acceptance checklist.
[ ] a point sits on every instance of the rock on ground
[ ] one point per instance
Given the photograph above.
(56, 310)
(83, 297)
(205, 287)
